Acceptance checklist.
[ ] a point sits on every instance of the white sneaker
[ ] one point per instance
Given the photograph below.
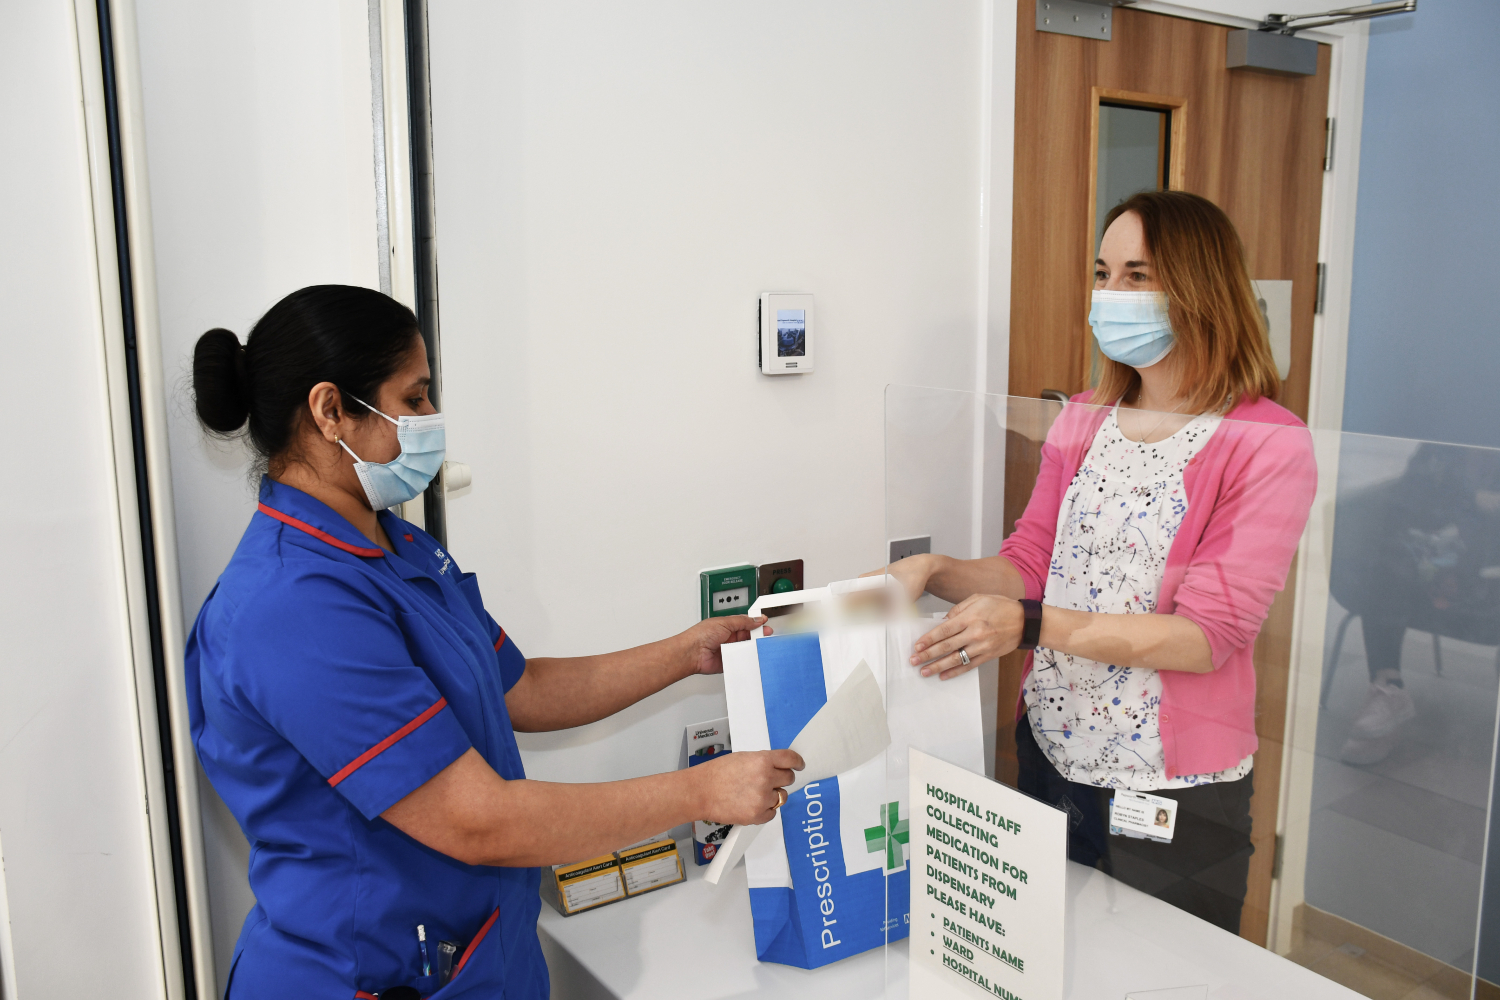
(1366, 752)
(1386, 709)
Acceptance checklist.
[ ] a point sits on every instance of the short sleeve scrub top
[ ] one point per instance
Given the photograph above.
(327, 679)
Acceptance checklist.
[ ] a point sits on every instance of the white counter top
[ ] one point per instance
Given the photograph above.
(695, 940)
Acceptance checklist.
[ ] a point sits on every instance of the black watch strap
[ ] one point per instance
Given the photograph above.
(1032, 630)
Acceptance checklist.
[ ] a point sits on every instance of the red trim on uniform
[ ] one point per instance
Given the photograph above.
(408, 538)
(320, 534)
(362, 995)
(500, 641)
(387, 743)
(475, 943)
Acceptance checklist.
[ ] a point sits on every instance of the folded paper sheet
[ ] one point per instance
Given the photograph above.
(848, 730)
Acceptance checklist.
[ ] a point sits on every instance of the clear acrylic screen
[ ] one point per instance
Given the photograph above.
(1370, 807)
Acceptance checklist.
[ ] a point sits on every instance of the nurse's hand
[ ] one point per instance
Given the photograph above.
(983, 626)
(743, 788)
(701, 642)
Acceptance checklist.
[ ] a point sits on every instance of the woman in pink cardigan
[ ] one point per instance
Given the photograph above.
(1163, 523)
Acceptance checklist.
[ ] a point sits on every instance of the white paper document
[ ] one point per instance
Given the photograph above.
(848, 730)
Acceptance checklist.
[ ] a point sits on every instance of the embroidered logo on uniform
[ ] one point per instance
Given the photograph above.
(446, 561)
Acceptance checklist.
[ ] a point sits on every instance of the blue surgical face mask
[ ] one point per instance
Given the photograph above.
(1131, 327)
(423, 445)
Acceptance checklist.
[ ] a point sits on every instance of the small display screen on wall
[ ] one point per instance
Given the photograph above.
(791, 333)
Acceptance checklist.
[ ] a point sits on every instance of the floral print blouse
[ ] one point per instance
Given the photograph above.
(1097, 722)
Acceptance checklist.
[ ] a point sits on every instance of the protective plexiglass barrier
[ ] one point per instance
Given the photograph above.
(1373, 728)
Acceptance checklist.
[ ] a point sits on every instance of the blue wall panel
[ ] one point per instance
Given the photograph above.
(1424, 336)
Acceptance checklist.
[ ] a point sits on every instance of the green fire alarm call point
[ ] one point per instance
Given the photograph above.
(729, 590)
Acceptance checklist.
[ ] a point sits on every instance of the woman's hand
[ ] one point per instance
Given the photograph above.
(703, 640)
(913, 572)
(743, 788)
(984, 626)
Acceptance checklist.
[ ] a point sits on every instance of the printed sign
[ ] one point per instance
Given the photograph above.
(988, 884)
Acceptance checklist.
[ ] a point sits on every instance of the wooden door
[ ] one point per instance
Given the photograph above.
(1253, 143)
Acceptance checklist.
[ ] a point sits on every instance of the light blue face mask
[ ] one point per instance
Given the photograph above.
(423, 446)
(1131, 327)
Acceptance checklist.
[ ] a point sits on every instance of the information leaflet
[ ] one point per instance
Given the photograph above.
(988, 884)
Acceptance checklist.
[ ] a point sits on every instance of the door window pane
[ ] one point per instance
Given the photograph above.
(1132, 156)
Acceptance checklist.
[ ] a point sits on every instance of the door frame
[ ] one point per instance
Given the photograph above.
(124, 272)
(1325, 410)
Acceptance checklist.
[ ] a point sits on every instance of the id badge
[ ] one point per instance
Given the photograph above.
(1142, 816)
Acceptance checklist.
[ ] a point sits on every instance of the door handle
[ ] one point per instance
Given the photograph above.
(457, 480)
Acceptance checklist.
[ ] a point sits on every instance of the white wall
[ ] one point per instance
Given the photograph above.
(262, 181)
(77, 865)
(615, 185)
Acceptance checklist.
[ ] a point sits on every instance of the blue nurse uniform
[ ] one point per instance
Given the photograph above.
(327, 679)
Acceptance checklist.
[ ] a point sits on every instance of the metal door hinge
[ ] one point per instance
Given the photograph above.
(1082, 18)
(1327, 145)
(1322, 285)
(1276, 847)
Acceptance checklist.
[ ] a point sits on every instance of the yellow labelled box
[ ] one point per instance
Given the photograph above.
(631, 871)
(650, 866)
(577, 887)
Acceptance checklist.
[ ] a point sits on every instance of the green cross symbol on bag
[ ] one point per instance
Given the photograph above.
(888, 836)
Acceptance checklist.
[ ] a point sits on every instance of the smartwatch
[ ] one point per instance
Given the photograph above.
(1032, 630)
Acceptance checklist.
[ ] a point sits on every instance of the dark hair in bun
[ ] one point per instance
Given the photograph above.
(354, 337)
(219, 381)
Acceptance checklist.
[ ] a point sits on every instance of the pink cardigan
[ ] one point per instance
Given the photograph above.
(1249, 490)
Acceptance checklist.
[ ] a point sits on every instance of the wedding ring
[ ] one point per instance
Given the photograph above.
(781, 798)
(963, 657)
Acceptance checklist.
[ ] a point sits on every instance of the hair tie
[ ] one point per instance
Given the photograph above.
(242, 371)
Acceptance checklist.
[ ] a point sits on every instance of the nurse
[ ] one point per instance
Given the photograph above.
(355, 705)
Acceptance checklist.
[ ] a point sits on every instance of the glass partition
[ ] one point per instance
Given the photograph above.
(1353, 661)
(1330, 765)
